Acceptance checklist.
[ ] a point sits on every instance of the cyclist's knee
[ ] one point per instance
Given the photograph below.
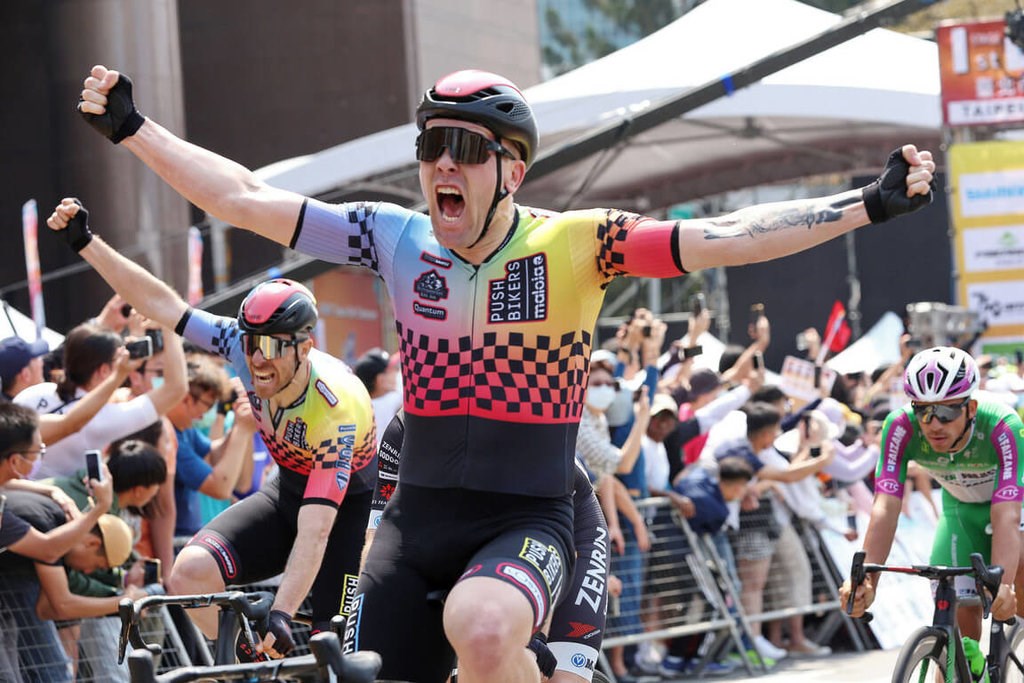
(484, 618)
(194, 571)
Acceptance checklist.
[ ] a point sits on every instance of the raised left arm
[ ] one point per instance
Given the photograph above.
(769, 231)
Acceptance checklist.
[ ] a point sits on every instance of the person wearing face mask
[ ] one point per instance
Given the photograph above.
(21, 449)
(593, 441)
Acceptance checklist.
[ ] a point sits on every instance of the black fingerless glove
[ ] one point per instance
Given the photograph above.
(77, 233)
(280, 624)
(887, 197)
(122, 119)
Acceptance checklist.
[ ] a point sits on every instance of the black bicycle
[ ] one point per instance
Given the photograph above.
(936, 653)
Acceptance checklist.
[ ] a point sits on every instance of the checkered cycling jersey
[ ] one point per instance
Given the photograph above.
(987, 469)
(327, 434)
(494, 356)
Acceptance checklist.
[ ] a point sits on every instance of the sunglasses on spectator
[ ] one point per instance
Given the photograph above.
(270, 347)
(464, 146)
(942, 412)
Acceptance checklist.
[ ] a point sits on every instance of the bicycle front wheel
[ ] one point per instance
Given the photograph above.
(1013, 667)
(923, 658)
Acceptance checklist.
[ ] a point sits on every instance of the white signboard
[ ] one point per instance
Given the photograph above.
(992, 194)
(998, 248)
(997, 303)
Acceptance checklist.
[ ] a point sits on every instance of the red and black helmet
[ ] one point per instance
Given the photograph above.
(485, 98)
(278, 306)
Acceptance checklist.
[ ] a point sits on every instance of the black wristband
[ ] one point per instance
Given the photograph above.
(77, 233)
(872, 197)
(815, 451)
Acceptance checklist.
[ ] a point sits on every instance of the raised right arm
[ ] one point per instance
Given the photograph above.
(215, 184)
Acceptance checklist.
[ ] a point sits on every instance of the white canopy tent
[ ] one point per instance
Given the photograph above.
(25, 327)
(839, 111)
(877, 347)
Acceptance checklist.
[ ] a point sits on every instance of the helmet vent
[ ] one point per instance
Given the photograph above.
(517, 111)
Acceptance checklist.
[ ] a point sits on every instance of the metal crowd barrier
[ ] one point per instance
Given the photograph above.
(686, 588)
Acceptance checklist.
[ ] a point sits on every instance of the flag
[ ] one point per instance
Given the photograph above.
(837, 332)
(29, 231)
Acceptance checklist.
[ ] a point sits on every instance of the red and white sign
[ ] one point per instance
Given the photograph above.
(982, 74)
(30, 234)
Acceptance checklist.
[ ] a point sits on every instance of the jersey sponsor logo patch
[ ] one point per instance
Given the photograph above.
(295, 433)
(547, 561)
(1008, 493)
(522, 295)
(522, 578)
(346, 443)
(888, 486)
(431, 285)
(580, 630)
(351, 641)
(892, 451)
(328, 395)
(348, 599)
(429, 312)
(581, 661)
(592, 588)
(472, 570)
(427, 257)
(221, 553)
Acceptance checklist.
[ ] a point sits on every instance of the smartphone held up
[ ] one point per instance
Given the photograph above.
(94, 465)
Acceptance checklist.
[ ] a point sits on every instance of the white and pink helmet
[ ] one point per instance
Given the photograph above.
(939, 374)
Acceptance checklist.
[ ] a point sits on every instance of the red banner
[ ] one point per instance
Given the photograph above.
(982, 74)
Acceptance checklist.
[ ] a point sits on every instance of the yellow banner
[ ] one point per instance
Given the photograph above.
(988, 217)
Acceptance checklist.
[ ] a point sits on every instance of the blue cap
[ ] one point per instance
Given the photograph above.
(16, 353)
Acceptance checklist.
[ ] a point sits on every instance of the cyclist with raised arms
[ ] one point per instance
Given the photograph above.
(495, 305)
(972, 448)
(317, 421)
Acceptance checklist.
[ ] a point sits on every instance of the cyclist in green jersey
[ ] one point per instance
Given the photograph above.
(972, 448)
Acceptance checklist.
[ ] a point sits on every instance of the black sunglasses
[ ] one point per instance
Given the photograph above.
(464, 146)
(942, 412)
(270, 347)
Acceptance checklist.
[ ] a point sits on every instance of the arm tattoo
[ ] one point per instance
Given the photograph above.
(806, 217)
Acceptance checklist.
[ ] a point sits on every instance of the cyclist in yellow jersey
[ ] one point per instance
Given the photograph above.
(317, 421)
(495, 305)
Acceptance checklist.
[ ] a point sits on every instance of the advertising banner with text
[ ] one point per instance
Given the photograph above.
(988, 216)
(982, 75)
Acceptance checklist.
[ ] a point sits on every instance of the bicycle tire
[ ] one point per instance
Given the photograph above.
(925, 647)
(1012, 674)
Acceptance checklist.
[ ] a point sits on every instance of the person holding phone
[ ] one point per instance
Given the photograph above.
(136, 471)
(89, 355)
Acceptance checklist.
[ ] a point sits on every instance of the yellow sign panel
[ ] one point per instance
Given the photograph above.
(988, 216)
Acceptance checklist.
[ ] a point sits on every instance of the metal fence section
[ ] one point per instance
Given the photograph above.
(685, 584)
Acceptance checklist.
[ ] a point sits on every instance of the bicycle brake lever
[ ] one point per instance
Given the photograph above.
(125, 610)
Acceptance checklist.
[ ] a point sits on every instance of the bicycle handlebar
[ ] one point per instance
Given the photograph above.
(248, 606)
(987, 577)
(361, 667)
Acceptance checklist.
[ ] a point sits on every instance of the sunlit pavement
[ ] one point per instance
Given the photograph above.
(866, 667)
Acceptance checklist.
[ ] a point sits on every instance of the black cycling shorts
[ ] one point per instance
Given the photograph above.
(428, 540)
(577, 626)
(252, 539)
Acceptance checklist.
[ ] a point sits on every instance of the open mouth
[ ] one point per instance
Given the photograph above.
(451, 203)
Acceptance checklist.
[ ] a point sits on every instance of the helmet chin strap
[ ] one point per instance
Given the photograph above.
(499, 193)
(968, 426)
